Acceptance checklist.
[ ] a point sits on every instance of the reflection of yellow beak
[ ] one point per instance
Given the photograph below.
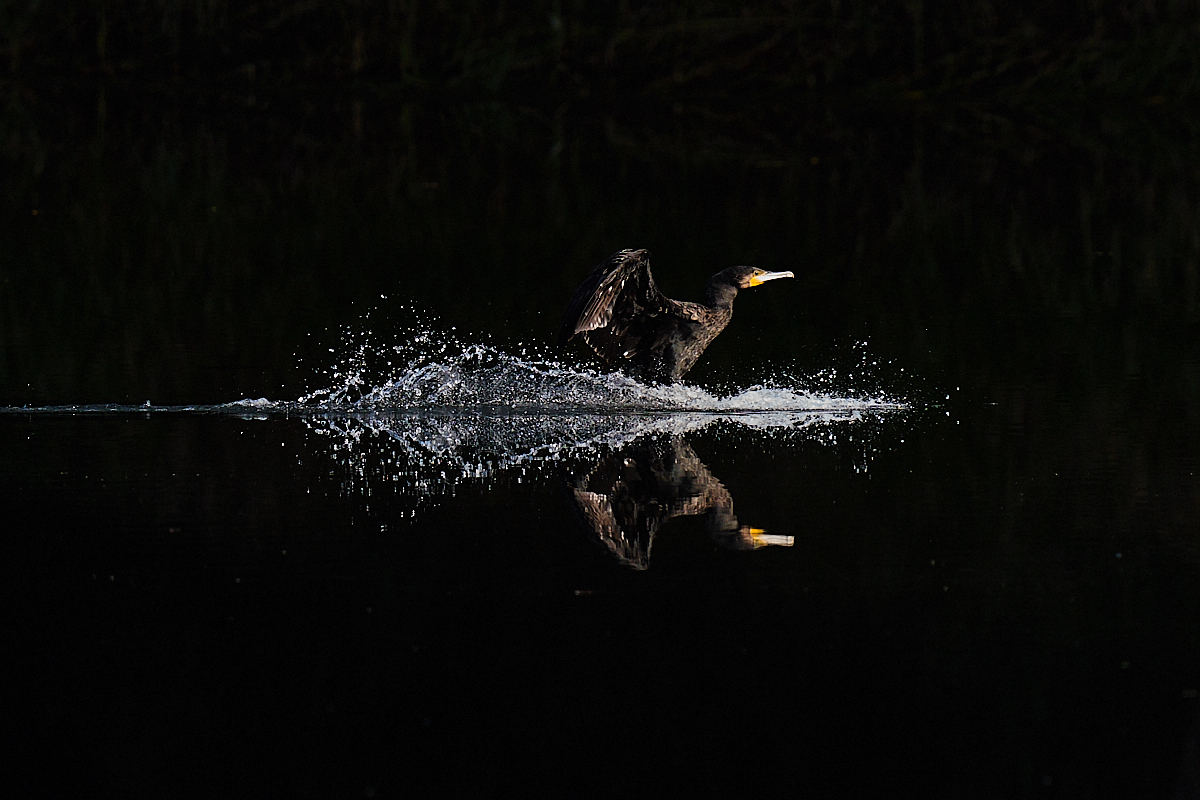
(760, 538)
(763, 277)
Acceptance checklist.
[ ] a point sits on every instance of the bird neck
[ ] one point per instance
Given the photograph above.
(719, 293)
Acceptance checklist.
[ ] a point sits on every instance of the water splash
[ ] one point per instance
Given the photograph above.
(428, 412)
(425, 411)
(424, 368)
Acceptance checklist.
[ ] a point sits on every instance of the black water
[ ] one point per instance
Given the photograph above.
(923, 522)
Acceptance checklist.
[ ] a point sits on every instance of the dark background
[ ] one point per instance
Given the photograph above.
(193, 196)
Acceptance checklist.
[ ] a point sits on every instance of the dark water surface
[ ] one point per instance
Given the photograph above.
(923, 522)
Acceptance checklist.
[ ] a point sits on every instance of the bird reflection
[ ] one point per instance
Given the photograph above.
(629, 494)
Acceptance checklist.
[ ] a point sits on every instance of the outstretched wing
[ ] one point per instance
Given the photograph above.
(616, 306)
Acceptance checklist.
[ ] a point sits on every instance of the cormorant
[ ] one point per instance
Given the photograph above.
(626, 496)
(632, 325)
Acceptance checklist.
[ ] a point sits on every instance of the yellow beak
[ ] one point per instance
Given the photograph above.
(769, 276)
(760, 538)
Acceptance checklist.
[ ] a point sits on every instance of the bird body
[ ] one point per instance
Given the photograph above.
(622, 315)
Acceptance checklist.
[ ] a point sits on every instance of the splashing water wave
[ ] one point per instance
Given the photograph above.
(427, 373)
(432, 412)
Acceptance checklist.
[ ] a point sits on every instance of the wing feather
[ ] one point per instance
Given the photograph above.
(623, 280)
(616, 304)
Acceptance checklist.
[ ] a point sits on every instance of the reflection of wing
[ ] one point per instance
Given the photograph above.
(620, 311)
(597, 510)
